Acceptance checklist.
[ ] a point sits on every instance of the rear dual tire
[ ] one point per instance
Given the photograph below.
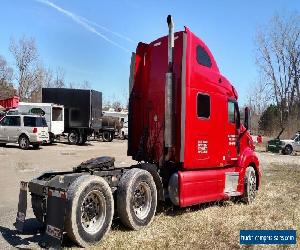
(90, 209)
(136, 198)
(107, 136)
(90, 205)
(76, 138)
(73, 137)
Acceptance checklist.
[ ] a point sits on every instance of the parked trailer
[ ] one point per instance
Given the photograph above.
(83, 112)
(185, 131)
(10, 103)
(53, 113)
(121, 122)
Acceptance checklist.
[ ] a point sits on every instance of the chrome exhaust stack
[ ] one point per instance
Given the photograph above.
(169, 95)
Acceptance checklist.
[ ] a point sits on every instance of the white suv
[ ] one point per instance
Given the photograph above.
(23, 129)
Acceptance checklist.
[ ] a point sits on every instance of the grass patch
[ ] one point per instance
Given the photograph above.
(217, 226)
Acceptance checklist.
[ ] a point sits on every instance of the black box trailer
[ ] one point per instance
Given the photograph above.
(83, 113)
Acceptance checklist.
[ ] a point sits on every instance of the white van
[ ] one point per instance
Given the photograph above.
(53, 113)
(25, 130)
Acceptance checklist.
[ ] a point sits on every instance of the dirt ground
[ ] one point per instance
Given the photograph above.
(213, 226)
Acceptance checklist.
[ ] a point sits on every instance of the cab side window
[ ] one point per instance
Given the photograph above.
(231, 112)
(203, 57)
(203, 105)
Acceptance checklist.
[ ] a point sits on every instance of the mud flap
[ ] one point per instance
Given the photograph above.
(22, 207)
(56, 211)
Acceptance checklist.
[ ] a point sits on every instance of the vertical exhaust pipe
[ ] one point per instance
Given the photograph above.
(169, 95)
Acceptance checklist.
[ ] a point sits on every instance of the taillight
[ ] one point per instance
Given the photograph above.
(34, 130)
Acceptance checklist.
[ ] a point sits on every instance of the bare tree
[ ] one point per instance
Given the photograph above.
(116, 105)
(125, 97)
(85, 85)
(48, 78)
(259, 97)
(29, 73)
(6, 72)
(278, 58)
(72, 85)
(59, 79)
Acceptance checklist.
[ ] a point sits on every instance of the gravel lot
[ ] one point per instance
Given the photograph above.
(16, 165)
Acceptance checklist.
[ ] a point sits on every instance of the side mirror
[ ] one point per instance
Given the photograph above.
(238, 117)
(246, 119)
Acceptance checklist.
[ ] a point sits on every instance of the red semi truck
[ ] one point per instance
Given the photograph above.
(184, 132)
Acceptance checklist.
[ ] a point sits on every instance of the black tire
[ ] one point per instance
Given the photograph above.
(288, 150)
(250, 185)
(95, 191)
(82, 139)
(24, 142)
(122, 136)
(73, 137)
(2, 144)
(107, 136)
(38, 204)
(112, 134)
(36, 146)
(136, 186)
(51, 138)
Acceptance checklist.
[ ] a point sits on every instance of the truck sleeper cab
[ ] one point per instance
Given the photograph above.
(211, 149)
(185, 133)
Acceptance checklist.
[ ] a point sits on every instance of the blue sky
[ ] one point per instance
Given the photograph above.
(99, 52)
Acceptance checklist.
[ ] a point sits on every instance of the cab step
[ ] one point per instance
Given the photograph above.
(233, 193)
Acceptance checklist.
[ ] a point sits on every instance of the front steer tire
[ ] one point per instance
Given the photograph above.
(90, 209)
(136, 198)
(250, 185)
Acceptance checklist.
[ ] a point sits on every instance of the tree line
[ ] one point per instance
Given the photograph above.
(275, 99)
(29, 75)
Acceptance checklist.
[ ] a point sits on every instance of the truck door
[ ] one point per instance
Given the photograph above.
(233, 126)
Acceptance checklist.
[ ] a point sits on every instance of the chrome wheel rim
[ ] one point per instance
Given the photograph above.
(252, 186)
(93, 212)
(142, 200)
(23, 143)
